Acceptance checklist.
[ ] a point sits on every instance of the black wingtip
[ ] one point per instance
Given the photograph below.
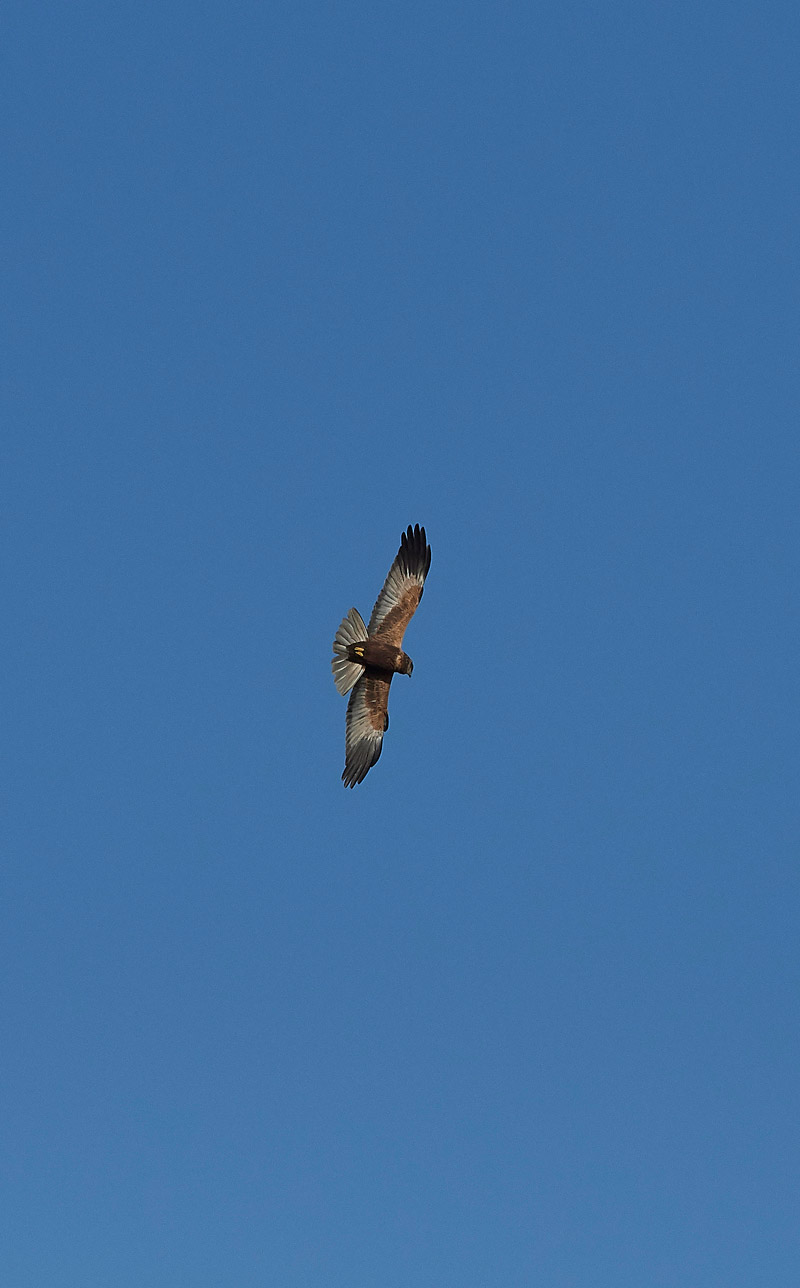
(415, 550)
(360, 762)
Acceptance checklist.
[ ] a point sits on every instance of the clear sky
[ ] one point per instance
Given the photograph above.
(522, 1008)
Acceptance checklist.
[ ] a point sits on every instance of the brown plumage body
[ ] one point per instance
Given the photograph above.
(378, 655)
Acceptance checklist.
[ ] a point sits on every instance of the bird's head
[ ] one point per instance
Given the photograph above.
(408, 665)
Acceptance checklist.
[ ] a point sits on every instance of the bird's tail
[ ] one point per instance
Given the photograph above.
(351, 631)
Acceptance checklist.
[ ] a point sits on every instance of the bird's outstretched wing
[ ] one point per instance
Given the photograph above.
(367, 722)
(402, 590)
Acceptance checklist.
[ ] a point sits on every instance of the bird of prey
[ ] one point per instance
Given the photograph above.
(366, 657)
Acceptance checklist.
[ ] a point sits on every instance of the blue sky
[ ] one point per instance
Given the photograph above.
(522, 1008)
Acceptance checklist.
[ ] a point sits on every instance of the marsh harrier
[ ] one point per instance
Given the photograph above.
(366, 657)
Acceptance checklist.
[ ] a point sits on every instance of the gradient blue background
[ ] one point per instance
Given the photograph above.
(522, 1009)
